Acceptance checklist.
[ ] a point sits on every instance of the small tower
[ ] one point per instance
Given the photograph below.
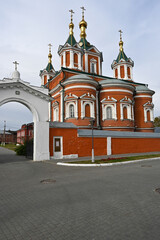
(122, 66)
(70, 53)
(48, 72)
(92, 58)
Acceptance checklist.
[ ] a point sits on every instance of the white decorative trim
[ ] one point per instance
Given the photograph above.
(80, 86)
(128, 106)
(86, 62)
(92, 108)
(56, 114)
(93, 61)
(56, 94)
(146, 109)
(148, 96)
(116, 90)
(104, 111)
(67, 105)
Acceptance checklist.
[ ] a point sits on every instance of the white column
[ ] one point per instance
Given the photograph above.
(41, 141)
(118, 69)
(82, 109)
(76, 109)
(71, 59)
(86, 62)
(121, 108)
(49, 106)
(99, 66)
(61, 105)
(64, 59)
(79, 61)
(109, 146)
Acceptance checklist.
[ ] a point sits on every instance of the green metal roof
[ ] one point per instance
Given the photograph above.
(122, 55)
(71, 40)
(83, 43)
(49, 67)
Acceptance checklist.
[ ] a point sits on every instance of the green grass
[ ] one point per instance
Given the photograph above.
(10, 146)
(114, 160)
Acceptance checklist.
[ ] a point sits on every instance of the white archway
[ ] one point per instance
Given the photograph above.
(36, 99)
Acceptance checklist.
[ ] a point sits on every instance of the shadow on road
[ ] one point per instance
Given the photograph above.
(9, 156)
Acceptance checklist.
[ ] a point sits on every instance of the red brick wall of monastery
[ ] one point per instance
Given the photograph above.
(135, 145)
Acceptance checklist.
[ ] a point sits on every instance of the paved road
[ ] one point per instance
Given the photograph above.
(102, 203)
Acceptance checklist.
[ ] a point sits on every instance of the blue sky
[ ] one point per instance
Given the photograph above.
(28, 26)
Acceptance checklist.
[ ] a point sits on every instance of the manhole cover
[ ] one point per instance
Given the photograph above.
(146, 166)
(157, 190)
(48, 181)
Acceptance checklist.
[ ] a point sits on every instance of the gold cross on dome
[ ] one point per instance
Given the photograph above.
(71, 11)
(16, 63)
(50, 45)
(120, 31)
(83, 9)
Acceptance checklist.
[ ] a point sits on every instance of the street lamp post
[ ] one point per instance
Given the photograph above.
(92, 121)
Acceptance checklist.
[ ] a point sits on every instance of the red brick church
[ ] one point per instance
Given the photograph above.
(81, 93)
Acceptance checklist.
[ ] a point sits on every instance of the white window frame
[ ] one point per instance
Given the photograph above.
(56, 114)
(67, 108)
(129, 111)
(93, 62)
(150, 109)
(104, 111)
(92, 108)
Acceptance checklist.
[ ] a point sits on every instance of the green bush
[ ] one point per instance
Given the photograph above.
(21, 150)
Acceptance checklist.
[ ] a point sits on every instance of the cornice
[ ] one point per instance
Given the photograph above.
(25, 86)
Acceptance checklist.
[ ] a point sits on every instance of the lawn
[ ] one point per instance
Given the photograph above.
(10, 146)
(113, 160)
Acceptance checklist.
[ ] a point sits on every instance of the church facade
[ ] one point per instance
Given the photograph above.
(121, 108)
(81, 92)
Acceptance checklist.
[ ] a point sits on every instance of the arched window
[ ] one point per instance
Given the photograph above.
(128, 72)
(116, 73)
(87, 110)
(108, 113)
(67, 59)
(71, 111)
(122, 71)
(92, 67)
(56, 118)
(76, 60)
(125, 113)
(148, 116)
(45, 79)
(62, 60)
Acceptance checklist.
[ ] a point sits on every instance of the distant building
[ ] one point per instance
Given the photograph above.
(25, 133)
(8, 137)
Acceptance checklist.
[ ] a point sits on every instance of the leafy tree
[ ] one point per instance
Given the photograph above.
(157, 122)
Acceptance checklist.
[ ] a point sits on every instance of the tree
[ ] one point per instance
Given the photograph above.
(157, 122)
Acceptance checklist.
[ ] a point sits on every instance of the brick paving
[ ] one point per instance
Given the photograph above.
(101, 203)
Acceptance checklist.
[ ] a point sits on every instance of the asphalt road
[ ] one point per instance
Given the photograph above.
(77, 203)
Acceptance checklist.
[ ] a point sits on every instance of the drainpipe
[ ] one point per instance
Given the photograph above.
(62, 97)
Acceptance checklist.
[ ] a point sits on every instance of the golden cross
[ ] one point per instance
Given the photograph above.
(83, 9)
(71, 11)
(16, 63)
(120, 34)
(50, 45)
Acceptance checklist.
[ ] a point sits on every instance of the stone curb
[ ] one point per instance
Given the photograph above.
(104, 164)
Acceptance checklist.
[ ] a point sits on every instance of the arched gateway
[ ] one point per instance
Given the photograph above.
(36, 99)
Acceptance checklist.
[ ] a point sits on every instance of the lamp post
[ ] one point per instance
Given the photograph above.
(92, 121)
